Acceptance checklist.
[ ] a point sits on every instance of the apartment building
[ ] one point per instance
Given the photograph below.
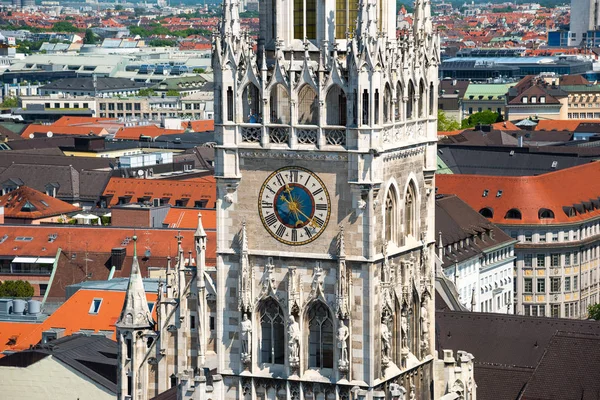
(556, 219)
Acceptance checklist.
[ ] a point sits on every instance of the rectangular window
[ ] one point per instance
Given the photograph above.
(541, 260)
(86, 105)
(299, 19)
(528, 260)
(541, 285)
(555, 260)
(192, 322)
(128, 106)
(555, 285)
(575, 282)
(567, 284)
(528, 285)
(567, 311)
(567, 259)
(229, 103)
(542, 311)
(555, 236)
(528, 236)
(555, 310)
(542, 237)
(95, 306)
(365, 108)
(527, 310)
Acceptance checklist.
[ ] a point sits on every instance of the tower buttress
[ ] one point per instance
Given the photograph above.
(200, 239)
(134, 327)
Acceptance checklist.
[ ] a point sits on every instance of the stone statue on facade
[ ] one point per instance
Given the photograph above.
(342, 338)
(397, 392)
(246, 338)
(294, 341)
(387, 270)
(386, 344)
(424, 327)
(404, 329)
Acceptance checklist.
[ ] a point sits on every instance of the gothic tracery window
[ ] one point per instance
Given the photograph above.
(305, 19)
(251, 104)
(431, 99)
(320, 337)
(346, 12)
(280, 105)
(272, 328)
(308, 106)
(410, 211)
(410, 103)
(335, 104)
(390, 216)
(422, 99)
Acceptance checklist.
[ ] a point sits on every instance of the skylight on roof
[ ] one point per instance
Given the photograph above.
(23, 239)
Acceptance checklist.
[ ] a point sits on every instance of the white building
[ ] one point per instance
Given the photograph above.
(476, 255)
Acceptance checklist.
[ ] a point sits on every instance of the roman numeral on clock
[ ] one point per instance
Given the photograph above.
(294, 235)
(321, 207)
(280, 179)
(308, 232)
(271, 219)
(316, 192)
(318, 221)
(293, 176)
(269, 189)
(281, 230)
(267, 204)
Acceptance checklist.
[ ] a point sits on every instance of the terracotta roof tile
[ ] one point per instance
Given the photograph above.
(187, 218)
(205, 125)
(42, 130)
(168, 190)
(134, 133)
(573, 191)
(562, 125)
(27, 203)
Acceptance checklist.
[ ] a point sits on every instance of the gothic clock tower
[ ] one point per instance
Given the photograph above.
(325, 160)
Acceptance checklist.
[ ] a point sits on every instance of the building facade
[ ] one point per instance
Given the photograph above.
(325, 162)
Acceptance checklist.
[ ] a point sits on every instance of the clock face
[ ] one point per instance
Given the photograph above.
(294, 205)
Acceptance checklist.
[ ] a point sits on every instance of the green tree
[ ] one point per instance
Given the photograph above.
(594, 311)
(9, 102)
(446, 124)
(484, 118)
(16, 289)
(63, 26)
(139, 11)
(90, 37)
(146, 92)
(199, 70)
(172, 92)
(118, 7)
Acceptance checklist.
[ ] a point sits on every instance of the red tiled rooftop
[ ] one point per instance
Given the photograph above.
(134, 133)
(562, 192)
(168, 190)
(187, 218)
(28, 203)
(42, 130)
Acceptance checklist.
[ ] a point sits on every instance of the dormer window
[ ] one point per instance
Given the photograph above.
(533, 99)
(95, 306)
(513, 213)
(545, 213)
(542, 99)
(524, 100)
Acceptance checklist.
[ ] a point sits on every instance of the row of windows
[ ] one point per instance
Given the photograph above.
(543, 237)
(501, 301)
(65, 105)
(570, 284)
(121, 106)
(583, 115)
(571, 310)
(480, 109)
(554, 258)
(336, 105)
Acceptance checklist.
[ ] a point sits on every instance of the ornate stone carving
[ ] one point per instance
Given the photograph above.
(246, 274)
(246, 337)
(294, 342)
(386, 344)
(397, 392)
(316, 287)
(404, 327)
(293, 290)
(312, 156)
(342, 295)
(342, 339)
(425, 326)
(269, 287)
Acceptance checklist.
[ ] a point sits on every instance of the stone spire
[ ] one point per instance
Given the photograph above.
(200, 240)
(135, 313)
(180, 267)
(231, 19)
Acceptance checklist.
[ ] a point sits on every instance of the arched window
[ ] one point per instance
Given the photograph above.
(513, 213)
(545, 213)
(365, 107)
(422, 99)
(487, 212)
(320, 336)
(410, 211)
(335, 106)
(305, 9)
(251, 104)
(279, 103)
(399, 100)
(410, 103)
(272, 328)
(391, 212)
(308, 106)
(431, 98)
(387, 104)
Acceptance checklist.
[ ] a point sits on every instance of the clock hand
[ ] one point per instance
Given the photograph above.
(293, 208)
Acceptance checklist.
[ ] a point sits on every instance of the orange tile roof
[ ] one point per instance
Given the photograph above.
(161, 188)
(28, 203)
(73, 316)
(559, 191)
(81, 239)
(71, 121)
(187, 218)
(562, 125)
(505, 126)
(205, 125)
(42, 130)
(134, 133)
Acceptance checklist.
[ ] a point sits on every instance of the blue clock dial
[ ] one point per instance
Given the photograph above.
(294, 205)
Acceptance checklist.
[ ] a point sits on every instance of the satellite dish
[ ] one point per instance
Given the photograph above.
(31, 136)
(49, 134)
(140, 172)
